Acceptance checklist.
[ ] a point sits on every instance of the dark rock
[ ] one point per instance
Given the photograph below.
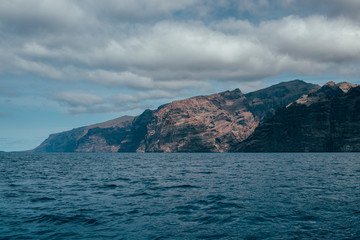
(327, 120)
(137, 132)
(265, 102)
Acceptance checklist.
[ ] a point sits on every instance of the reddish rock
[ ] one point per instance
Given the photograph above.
(213, 123)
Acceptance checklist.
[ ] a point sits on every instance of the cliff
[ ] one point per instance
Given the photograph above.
(213, 123)
(327, 120)
(101, 137)
(217, 122)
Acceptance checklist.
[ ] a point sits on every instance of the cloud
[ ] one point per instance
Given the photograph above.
(79, 102)
(35, 67)
(139, 10)
(107, 108)
(141, 96)
(124, 98)
(177, 54)
(261, 10)
(34, 16)
(78, 98)
(315, 39)
(330, 8)
(160, 49)
(126, 78)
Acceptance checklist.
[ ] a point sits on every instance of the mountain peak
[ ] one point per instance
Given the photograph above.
(328, 90)
(323, 121)
(330, 83)
(211, 123)
(345, 86)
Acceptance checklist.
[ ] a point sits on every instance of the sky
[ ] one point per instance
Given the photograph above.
(66, 64)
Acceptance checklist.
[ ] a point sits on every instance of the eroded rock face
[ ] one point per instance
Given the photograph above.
(201, 124)
(327, 120)
(101, 137)
(214, 123)
(217, 122)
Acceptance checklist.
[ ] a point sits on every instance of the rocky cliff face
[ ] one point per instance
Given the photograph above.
(263, 103)
(327, 120)
(217, 122)
(102, 137)
(200, 124)
(214, 123)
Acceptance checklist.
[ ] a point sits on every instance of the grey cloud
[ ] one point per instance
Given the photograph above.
(78, 44)
(170, 52)
(124, 10)
(155, 56)
(141, 96)
(331, 8)
(106, 108)
(124, 98)
(315, 38)
(34, 16)
(40, 68)
(78, 98)
(179, 83)
(275, 9)
(125, 78)
(79, 102)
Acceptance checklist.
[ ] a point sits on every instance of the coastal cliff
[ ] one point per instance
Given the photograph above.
(327, 120)
(213, 123)
(94, 138)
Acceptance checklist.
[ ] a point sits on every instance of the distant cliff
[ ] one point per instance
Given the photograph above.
(217, 122)
(94, 138)
(327, 120)
(213, 123)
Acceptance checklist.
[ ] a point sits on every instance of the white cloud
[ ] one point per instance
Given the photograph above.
(181, 84)
(106, 108)
(78, 98)
(141, 96)
(36, 67)
(172, 55)
(125, 78)
(158, 54)
(124, 98)
(315, 38)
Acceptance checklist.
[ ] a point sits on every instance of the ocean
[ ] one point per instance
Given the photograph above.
(179, 195)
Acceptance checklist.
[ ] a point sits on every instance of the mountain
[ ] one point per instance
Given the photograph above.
(94, 138)
(216, 122)
(212, 123)
(327, 120)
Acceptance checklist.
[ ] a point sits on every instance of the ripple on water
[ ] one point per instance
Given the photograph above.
(60, 219)
(179, 196)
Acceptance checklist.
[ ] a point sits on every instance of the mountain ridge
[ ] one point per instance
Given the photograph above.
(207, 123)
(327, 120)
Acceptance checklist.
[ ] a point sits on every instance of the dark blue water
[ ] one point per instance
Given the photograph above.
(179, 196)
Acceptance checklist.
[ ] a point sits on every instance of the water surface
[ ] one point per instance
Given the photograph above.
(180, 196)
